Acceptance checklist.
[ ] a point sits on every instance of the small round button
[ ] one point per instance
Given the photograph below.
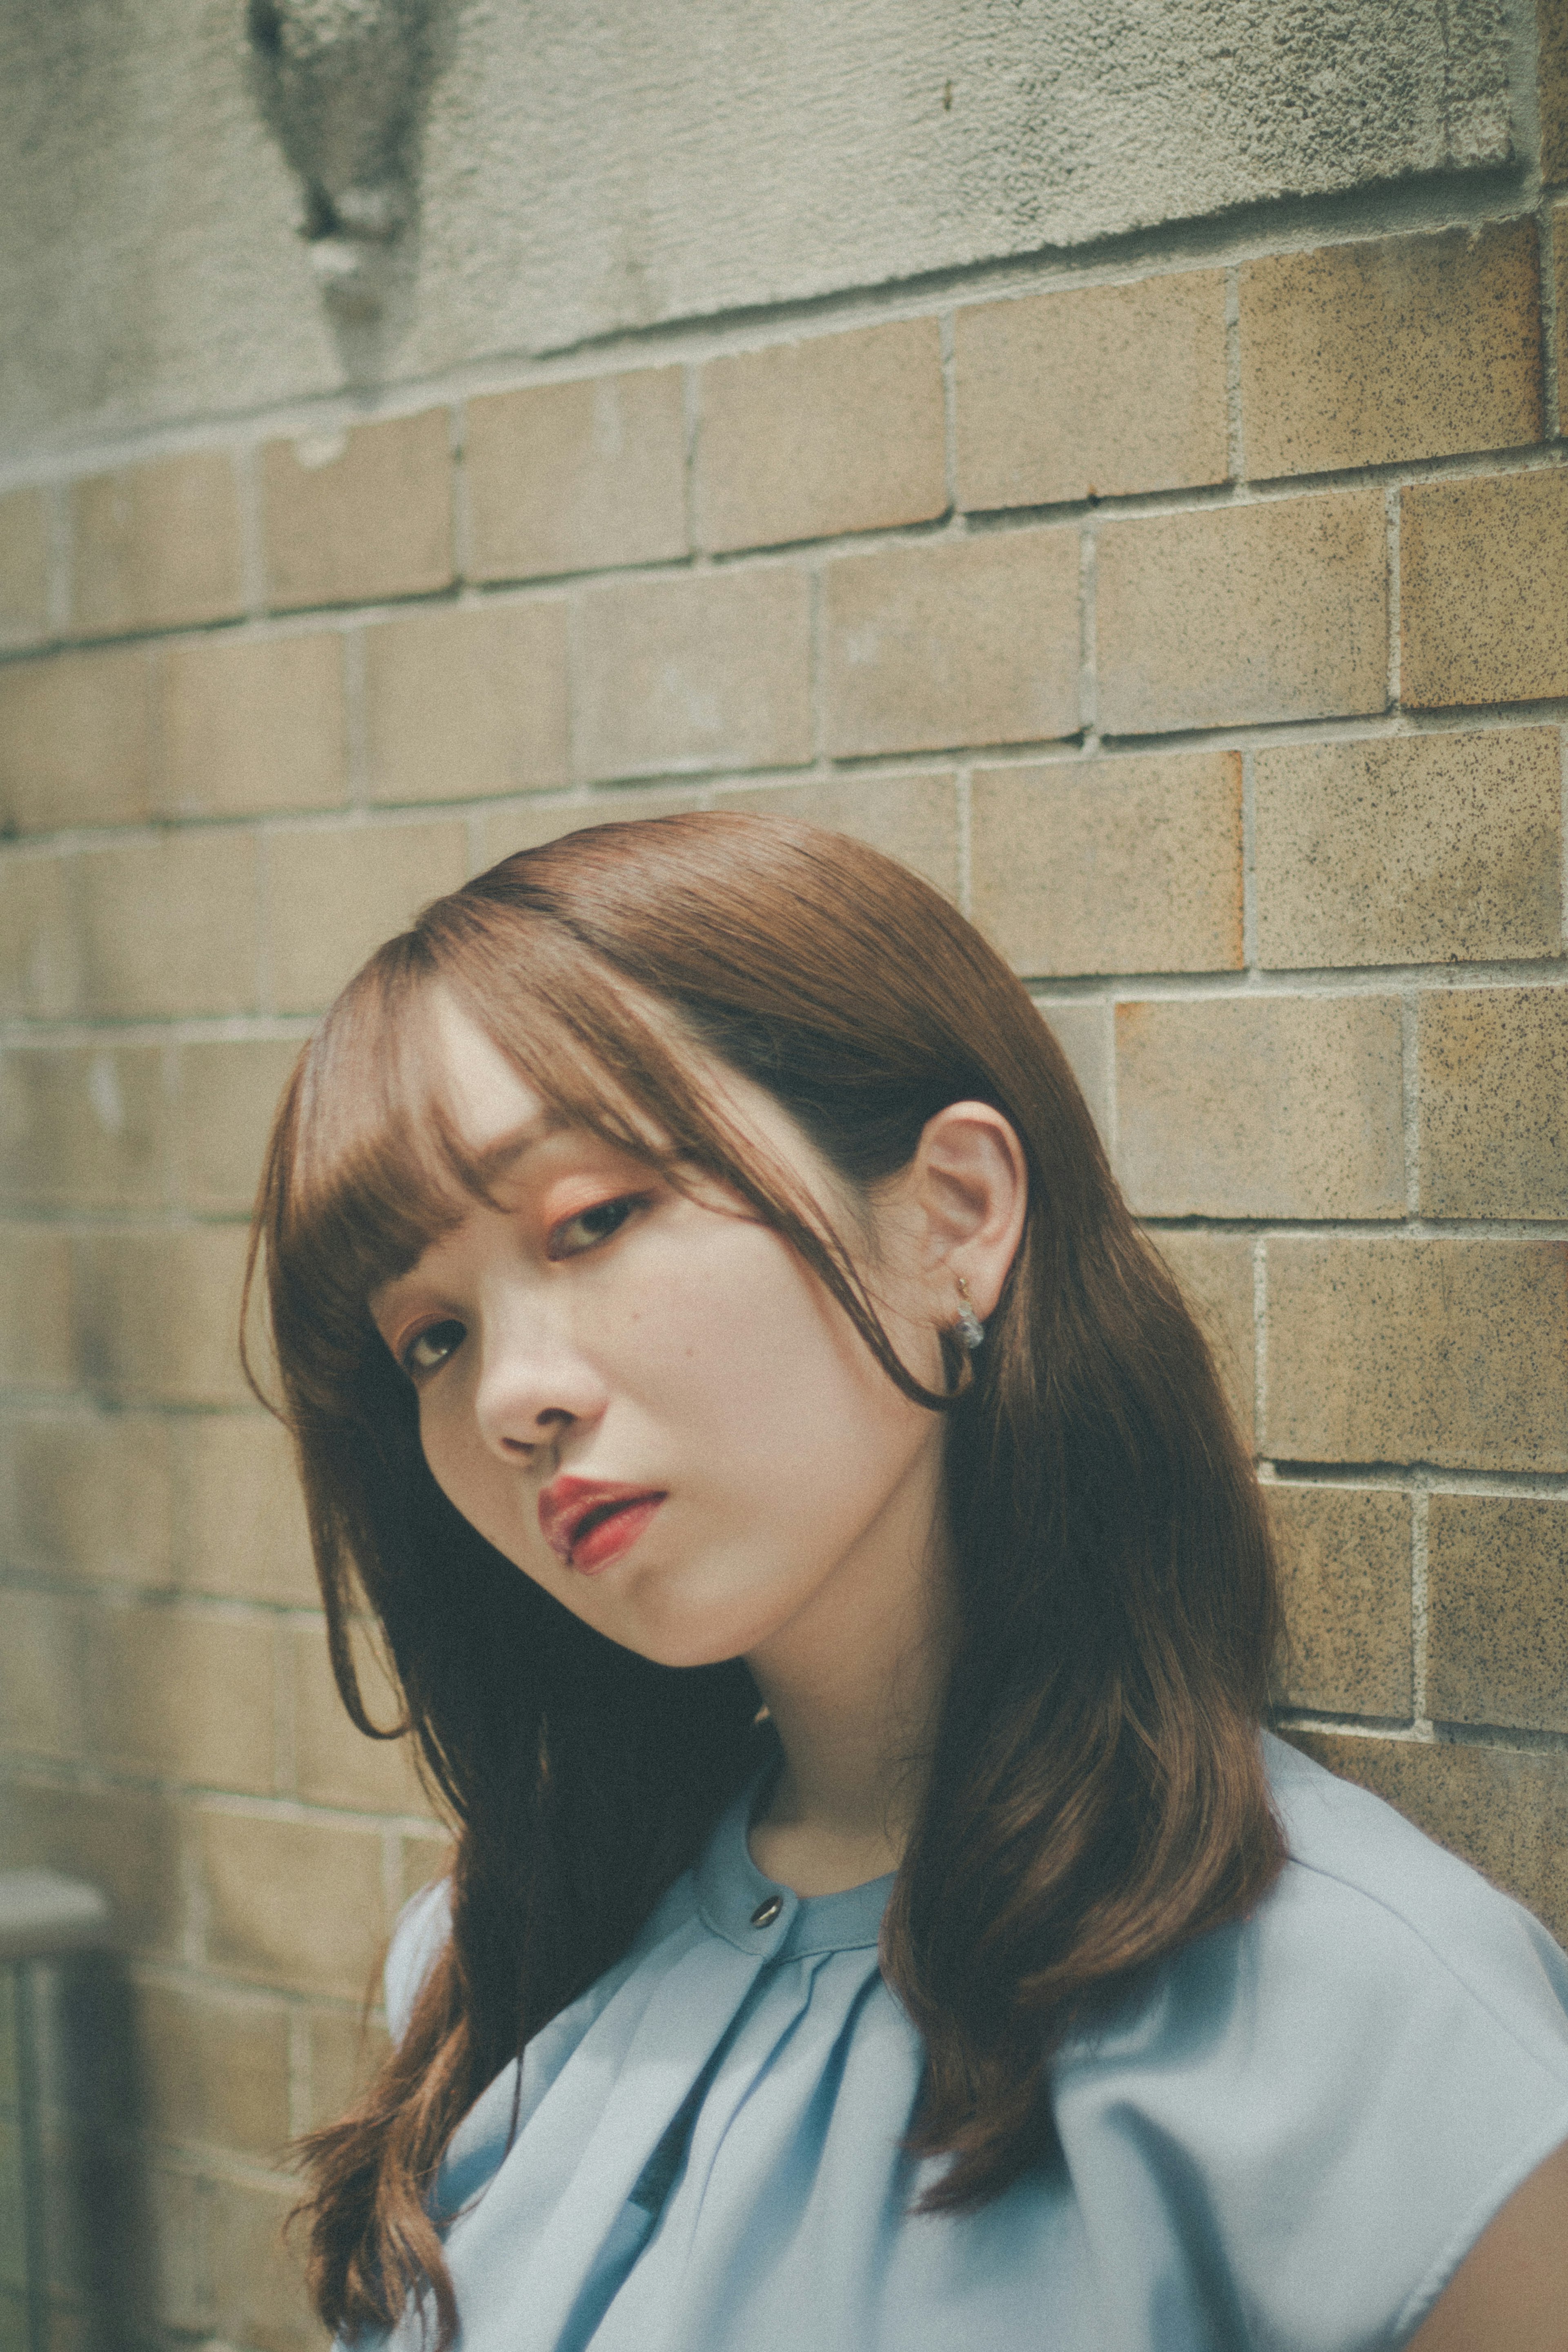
(767, 1911)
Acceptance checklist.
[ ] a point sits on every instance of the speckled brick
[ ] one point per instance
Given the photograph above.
(366, 513)
(574, 476)
(1497, 1610)
(1105, 866)
(23, 567)
(958, 641)
(1261, 1106)
(1236, 614)
(158, 546)
(1410, 849)
(1492, 1102)
(834, 433)
(1483, 589)
(1345, 1563)
(467, 705)
(76, 740)
(1452, 1353)
(1397, 347)
(694, 673)
(1095, 391)
(1215, 1271)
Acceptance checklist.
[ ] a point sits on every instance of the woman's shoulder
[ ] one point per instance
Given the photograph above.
(1374, 1903)
(1340, 2090)
(423, 1926)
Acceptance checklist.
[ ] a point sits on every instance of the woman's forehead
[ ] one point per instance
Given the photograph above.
(496, 1114)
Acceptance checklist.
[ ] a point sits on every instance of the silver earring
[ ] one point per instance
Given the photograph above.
(971, 1330)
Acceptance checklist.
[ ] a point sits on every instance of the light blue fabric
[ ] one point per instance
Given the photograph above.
(1290, 2136)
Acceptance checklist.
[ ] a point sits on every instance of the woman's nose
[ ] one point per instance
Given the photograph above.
(533, 1384)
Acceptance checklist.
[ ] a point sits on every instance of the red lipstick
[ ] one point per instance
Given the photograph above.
(588, 1522)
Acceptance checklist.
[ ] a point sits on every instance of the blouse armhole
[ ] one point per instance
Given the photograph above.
(424, 1926)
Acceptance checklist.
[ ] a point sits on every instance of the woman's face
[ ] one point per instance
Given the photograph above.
(646, 1402)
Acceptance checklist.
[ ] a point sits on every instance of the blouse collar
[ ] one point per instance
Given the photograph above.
(769, 1922)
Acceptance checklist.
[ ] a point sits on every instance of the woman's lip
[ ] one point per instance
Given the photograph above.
(568, 1503)
(606, 1538)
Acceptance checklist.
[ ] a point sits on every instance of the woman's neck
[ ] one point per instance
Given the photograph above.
(854, 1697)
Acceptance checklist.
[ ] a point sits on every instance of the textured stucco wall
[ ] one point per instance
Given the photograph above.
(593, 166)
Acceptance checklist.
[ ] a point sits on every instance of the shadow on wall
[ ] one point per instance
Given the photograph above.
(344, 86)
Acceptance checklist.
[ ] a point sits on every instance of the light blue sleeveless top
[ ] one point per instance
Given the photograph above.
(1288, 2136)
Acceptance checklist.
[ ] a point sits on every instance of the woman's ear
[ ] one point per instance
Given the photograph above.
(969, 1186)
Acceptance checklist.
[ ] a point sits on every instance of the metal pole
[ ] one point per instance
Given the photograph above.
(30, 2133)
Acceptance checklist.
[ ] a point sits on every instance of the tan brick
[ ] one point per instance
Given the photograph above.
(36, 1291)
(158, 1314)
(258, 2280)
(914, 818)
(462, 705)
(1261, 1106)
(1399, 347)
(239, 1526)
(23, 567)
(504, 832)
(1083, 1032)
(693, 673)
(253, 724)
(1503, 1810)
(1345, 1565)
(346, 2052)
(1497, 1610)
(334, 895)
(170, 924)
(124, 1841)
(40, 934)
(1483, 590)
(41, 1670)
(293, 1904)
(166, 2281)
(82, 1127)
(183, 1694)
(76, 740)
(334, 1763)
(424, 1860)
(228, 1092)
(1553, 23)
(835, 433)
(216, 2067)
(1414, 849)
(1235, 615)
(157, 546)
(1125, 865)
(576, 477)
(1094, 392)
(1453, 1352)
(1215, 1272)
(1492, 1081)
(958, 641)
(91, 1498)
(360, 514)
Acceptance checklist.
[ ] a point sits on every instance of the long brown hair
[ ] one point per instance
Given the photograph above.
(1097, 1795)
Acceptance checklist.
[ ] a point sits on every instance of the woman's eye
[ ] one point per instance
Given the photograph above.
(589, 1226)
(429, 1348)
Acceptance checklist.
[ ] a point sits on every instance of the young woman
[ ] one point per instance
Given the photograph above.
(830, 1599)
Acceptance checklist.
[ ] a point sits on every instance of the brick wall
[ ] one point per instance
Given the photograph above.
(1199, 622)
